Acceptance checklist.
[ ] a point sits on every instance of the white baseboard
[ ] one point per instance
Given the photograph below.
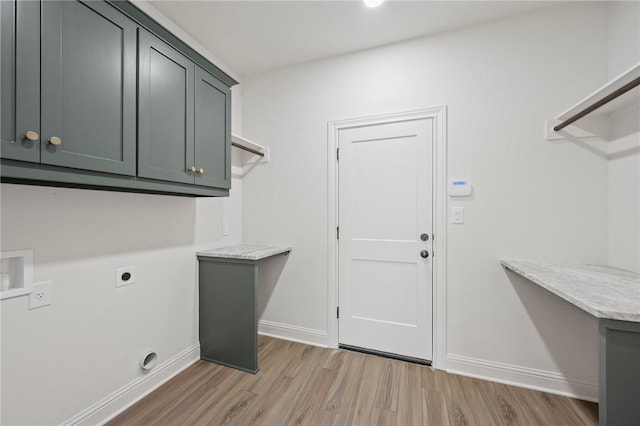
(114, 404)
(530, 378)
(293, 333)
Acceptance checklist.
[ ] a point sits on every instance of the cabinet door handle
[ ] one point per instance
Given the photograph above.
(192, 169)
(201, 170)
(32, 136)
(54, 140)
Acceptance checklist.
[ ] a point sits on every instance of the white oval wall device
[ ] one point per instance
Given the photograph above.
(459, 187)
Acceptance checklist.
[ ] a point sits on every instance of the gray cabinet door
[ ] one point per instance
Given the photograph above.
(165, 111)
(88, 87)
(20, 80)
(212, 131)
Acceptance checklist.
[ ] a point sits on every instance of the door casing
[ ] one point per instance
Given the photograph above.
(439, 116)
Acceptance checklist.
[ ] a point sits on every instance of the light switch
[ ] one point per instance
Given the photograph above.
(457, 215)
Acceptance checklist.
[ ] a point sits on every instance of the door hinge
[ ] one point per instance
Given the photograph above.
(338, 232)
(337, 311)
(338, 154)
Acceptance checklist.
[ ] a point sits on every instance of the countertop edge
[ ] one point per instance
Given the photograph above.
(598, 313)
(275, 251)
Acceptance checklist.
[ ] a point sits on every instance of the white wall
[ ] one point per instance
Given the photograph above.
(533, 199)
(61, 359)
(623, 36)
(624, 149)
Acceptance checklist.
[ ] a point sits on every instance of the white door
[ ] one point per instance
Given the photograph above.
(385, 261)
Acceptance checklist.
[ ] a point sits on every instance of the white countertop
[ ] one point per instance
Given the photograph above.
(602, 291)
(245, 251)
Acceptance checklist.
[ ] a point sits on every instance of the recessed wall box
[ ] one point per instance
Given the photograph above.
(459, 187)
(16, 273)
(125, 276)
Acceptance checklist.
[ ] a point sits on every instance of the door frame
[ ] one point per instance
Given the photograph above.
(439, 116)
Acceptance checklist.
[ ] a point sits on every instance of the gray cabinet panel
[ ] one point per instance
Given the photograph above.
(88, 86)
(8, 71)
(20, 62)
(228, 316)
(212, 130)
(619, 384)
(165, 111)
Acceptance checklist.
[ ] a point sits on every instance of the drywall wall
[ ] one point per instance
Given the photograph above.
(65, 357)
(533, 199)
(623, 36)
(624, 192)
(624, 149)
(60, 360)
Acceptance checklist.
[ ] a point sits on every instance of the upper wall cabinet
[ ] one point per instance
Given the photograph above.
(212, 131)
(88, 87)
(20, 79)
(74, 91)
(96, 94)
(183, 124)
(7, 73)
(165, 111)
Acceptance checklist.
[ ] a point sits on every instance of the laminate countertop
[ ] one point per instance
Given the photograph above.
(602, 291)
(245, 252)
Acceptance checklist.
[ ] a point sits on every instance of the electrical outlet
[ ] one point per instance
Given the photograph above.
(41, 295)
(125, 276)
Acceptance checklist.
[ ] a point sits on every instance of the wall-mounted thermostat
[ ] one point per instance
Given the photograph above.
(459, 187)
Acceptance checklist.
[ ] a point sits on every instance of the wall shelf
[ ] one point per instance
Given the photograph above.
(592, 116)
(251, 147)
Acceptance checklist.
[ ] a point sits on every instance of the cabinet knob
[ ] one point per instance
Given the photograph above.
(201, 170)
(32, 136)
(192, 169)
(54, 140)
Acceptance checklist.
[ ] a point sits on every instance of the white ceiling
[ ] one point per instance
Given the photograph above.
(255, 36)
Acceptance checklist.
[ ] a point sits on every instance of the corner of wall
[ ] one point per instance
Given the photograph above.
(624, 148)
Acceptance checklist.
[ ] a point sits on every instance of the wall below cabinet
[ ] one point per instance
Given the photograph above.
(75, 125)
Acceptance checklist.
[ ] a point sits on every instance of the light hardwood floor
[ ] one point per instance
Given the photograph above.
(306, 385)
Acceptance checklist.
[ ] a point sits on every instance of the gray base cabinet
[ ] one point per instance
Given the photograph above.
(228, 303)
(95, 94)
(228, 313)
(619, 373)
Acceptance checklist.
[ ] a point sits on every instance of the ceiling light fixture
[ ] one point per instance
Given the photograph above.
(373, 3)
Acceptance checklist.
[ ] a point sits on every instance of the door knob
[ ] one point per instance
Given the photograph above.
(32, 136)
(191, 169)
(424, 254)
(54, 140)
(201, 170)
(424, 237)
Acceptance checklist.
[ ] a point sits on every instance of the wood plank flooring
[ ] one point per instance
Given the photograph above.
(306, 385)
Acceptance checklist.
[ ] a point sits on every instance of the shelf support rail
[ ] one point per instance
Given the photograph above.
(246, 148)
(598, 104)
